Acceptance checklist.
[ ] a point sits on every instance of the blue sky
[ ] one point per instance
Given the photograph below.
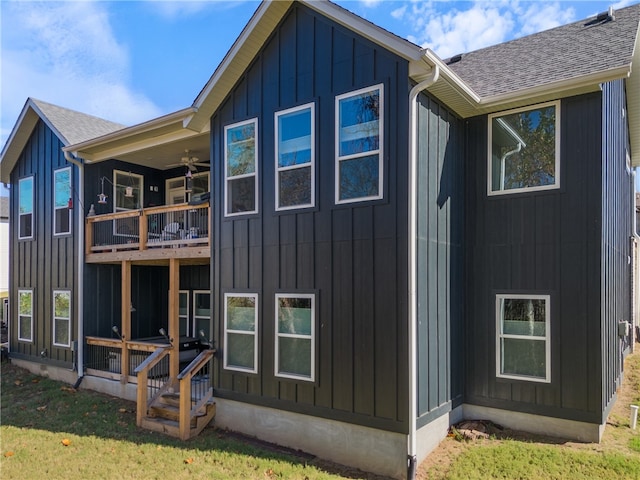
(130, 61)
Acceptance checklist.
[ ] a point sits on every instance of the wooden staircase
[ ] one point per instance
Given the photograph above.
(163, 416)
(180, 407)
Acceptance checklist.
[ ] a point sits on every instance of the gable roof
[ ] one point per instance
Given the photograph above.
(567, 60)
(68, 125)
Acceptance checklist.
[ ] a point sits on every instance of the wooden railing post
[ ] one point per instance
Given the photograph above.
(141, 410)
(88, 237)
(126, 318)
(143, 227)
(185, 407)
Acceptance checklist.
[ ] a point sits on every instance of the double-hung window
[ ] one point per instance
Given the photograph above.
(61, 200)
(524, 150)
(25, 207)
(359, 145)
(295, 329)
(202, 313)
(523, 349)
(241, 332)
(295, 157)
(62, 318)
(241, 167)
(25, 315)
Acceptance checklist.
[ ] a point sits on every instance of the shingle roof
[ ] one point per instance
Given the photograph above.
(562, 53)
(70, 126)
(75, 127)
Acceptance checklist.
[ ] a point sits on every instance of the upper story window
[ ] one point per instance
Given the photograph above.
(295, 157)
(128, 189)
(524, 149)
(523, 348)
(359, 145)
(241, 167)
(62, 318)
(295, 331)
(25, 207)
(25, 315)
(61, 199)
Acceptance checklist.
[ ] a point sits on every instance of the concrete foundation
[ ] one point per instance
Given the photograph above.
(555, 427)
(371, 450)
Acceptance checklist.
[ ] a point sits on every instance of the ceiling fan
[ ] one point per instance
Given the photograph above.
(190, 162)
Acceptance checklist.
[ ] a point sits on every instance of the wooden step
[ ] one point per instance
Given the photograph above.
(171, 427)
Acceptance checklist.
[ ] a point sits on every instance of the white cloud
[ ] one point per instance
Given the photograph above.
(66, 54)
(398, 13)
(458, 31)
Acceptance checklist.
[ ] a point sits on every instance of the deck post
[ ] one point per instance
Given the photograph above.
(174, 319)
(126, 318)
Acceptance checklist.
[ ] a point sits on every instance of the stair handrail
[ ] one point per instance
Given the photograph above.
(187, 411)
(142, 372)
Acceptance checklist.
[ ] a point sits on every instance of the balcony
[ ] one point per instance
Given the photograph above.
(149, 234)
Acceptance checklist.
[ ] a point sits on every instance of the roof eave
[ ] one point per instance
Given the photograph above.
(19, 137)
(135, 137)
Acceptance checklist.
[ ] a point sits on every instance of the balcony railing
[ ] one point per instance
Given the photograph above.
(155, 227)
(117, 360)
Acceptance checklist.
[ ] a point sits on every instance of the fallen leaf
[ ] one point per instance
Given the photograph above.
(18, 383)
(35, 380)
(8, 454)
(188, 460)
(66, 442)
(42, 408)
(68, 389)
(123, 410)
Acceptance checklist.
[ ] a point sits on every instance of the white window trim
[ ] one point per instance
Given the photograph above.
(311, 337)
(53, 311)
(55, 172)
(242, 332)
(186, 317)
(33, 207)
(200, 317)
(311, 164)
(134, 176)
(182, 188)
(553, 186)
(546, 338)
(23, 339)
(379, 152)
(254, 174)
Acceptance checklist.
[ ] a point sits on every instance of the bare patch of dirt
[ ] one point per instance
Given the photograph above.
(616, 437)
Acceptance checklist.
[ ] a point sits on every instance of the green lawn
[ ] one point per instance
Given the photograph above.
(39, 416)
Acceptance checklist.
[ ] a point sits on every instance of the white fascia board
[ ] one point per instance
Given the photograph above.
(559, 86)
(146, 133)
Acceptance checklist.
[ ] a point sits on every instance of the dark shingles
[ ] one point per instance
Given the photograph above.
(562, 53)
(74, 126)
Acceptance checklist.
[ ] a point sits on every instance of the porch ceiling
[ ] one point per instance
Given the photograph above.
(159, 143)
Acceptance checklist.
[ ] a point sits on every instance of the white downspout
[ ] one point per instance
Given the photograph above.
(80, 278)
(635, 263)
(413, 296)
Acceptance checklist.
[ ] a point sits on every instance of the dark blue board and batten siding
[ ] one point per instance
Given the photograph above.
(440, 260)
(46, 262)
(353, 257)
(617, 191)
(548, 242)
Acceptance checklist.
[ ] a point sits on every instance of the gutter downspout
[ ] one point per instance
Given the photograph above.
(635, 264)
(80, 236)
(413, 296)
